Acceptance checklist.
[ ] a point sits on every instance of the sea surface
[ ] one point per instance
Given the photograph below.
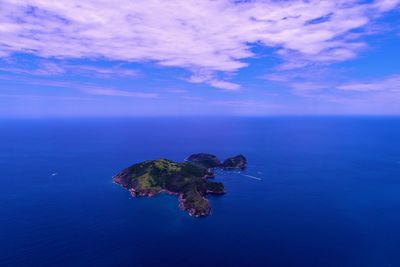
(319, 191)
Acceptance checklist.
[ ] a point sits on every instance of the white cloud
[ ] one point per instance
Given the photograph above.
(50, 69)
(210, 36)
(309, 80)
(210, 78)
(43, 69)
(108, 91)
(104, 72)
(89, 89)
(178, 91)
(389, 84)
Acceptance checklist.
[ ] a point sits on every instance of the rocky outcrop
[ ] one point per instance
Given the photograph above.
(237, 162)
(206, 160)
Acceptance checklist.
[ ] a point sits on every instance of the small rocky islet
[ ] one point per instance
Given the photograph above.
(190, 180)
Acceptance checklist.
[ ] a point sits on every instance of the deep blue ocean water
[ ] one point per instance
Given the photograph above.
(329, 193)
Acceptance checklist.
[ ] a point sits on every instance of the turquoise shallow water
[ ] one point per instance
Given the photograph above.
(328, 193)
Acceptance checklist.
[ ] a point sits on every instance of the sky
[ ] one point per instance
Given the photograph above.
(97, 58)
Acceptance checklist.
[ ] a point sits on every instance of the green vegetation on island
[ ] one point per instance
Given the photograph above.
(188, 180)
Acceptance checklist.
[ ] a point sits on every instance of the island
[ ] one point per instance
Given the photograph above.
(237, 162)
(189, 180)
(205, 160)
(211, 161)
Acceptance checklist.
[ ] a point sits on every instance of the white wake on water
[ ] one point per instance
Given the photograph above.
(252, 177)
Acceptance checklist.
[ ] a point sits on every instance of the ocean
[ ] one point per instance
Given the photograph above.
(318, 191)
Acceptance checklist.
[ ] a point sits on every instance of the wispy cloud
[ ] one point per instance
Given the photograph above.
(44, 69)
(90, 89)
(103, 72)
(109, 91)
(48, 68)
(192, 98)
(244, 103)
(178, 91)
(51, 97)
(307, 81)
(388, 84)
(371, 96)
(210, 78)
(201, 36)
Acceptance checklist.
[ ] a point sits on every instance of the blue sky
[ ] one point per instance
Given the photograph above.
(185, 57)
